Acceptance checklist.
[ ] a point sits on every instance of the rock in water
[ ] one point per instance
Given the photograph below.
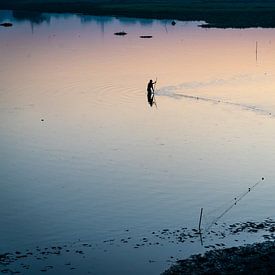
(120, 33)
(6, 24)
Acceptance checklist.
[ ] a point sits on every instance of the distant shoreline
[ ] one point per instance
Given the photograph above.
(219, 14)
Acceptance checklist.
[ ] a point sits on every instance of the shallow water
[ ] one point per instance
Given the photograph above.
(85, 158)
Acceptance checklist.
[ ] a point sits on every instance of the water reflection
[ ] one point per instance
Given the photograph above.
(107, 161)
(40, 18)
(150, 98)
(133, 21)
(32, 17)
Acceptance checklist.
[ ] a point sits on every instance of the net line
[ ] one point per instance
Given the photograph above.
(215, 215)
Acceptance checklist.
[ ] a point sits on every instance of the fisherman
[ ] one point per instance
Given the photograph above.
(150, 92)
(150, 86)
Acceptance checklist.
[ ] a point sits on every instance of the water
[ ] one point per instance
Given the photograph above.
(84, 158)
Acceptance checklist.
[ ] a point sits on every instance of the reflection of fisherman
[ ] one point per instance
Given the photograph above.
(150, 92)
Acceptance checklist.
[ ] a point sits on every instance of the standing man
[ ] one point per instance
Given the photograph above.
(150, 92)
(150, 86)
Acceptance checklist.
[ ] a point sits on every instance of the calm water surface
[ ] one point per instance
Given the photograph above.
(84, 157)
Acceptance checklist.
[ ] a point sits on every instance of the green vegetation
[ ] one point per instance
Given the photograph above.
(217, 13)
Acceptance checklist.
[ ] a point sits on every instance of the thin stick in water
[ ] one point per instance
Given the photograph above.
(200, 220)
(256, 51)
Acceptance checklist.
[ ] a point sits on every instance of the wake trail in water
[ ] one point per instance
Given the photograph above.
(217, 101)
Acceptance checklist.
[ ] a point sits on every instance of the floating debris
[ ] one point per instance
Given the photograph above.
(120, 33)
(146, 36)
(6, 24)
(267, 225)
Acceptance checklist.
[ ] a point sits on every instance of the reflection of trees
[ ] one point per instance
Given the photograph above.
(146, 22)
(4, 15)
(134, 21)
(97, 19)
(38, 18)
(100, 20)
(33, 17)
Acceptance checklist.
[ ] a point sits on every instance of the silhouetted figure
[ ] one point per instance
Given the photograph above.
(150, 86)
(150, 92)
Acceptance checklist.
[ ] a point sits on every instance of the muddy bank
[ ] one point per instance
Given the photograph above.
(83, 256)
(258, 258)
